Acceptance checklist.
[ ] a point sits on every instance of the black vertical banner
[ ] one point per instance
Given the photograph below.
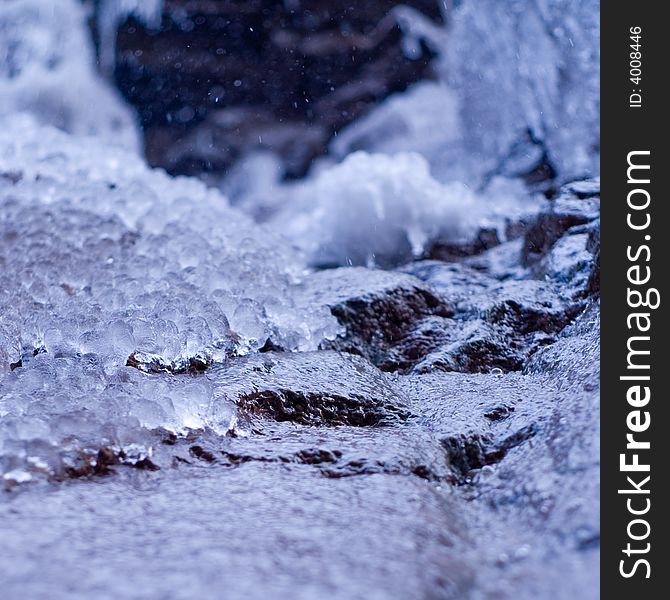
(634, 263)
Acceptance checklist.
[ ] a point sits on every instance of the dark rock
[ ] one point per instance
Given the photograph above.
(454, 252)
(28, 352)
(313, 388)
(477, 348)
(12, 176)
(575, 344)
(495, 324)
(318, 456)
(428, 335)
(478, 419)
(202, 454)
(570, 208)
(574, 261)
(89, 464)
(220, 78)
(471, 346)
(568, 263)
(498, 413)
(270, 346)
(377, 308)
(501, 262)
(470, 452)
(334, 453)
(586, 188)
(105, 459)
(526, 307)
(454, 283)
(153, 363)
(313, 408)
(199, 362)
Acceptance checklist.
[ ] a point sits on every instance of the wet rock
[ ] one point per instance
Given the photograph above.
(507, 317)
(200, 453)
(552, 482)
(502, 262)
(573, 346)
(344, 451)
(27, 353)
(495, 324)
(13, 177)
(318, 456)
(478, 419)
(526, 307)
(198, 362)
(485, 239)
(313, 408)
(476, 348)
(573, 261)
(568, 262)
(454, 283)
(428, 335)
(585, 188)
(578, 203)
(314, 388)
(376, 308)
(89, 463)
(218, 80)
(472, 346)
(260, 530)
(153, 363)
(468, 453)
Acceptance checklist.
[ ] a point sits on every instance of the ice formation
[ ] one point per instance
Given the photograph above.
(47, 69)
(518, 79)
(530, 67)
(102, 260)
(406, 122)
(380, 210)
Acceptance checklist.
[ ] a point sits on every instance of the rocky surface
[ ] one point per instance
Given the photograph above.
(317, 388)
(443, 445)
(377, 308)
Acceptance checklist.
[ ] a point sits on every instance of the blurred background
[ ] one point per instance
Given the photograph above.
(478, 87)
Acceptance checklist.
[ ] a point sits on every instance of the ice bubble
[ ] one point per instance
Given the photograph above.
(104, 301)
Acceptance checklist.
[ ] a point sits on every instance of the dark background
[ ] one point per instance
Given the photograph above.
(221, 78)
